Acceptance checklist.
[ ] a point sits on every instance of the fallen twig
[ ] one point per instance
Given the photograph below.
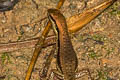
(8, 47)
(74, 23)
(39, 45)
(78, 21)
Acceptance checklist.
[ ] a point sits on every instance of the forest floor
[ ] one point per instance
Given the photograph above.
(96, 44)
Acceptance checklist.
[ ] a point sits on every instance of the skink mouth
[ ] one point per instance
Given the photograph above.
(53, 11)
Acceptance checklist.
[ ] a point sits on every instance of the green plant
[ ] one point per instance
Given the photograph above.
(5, 58)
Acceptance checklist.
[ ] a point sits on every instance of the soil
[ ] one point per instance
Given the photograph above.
(96, 44)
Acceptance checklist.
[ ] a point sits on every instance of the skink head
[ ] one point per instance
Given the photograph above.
(53, 13)
(56, 15)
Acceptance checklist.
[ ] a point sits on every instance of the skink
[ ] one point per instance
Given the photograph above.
(66, 57)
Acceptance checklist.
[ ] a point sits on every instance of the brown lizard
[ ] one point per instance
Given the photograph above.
(66, 57)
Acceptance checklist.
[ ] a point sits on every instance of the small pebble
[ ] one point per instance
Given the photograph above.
(6, 5)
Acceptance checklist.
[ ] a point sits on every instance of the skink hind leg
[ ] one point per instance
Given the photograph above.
(44, 73)
(82, 73)
(54, 73)
(57, 74)
(79, 74)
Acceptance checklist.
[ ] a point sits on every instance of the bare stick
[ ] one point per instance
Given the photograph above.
(8, 47)
(74, 23)
(39, 45)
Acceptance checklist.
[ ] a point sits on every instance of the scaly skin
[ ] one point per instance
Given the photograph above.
(66, 58)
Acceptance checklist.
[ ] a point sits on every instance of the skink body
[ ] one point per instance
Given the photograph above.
(66, 57)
